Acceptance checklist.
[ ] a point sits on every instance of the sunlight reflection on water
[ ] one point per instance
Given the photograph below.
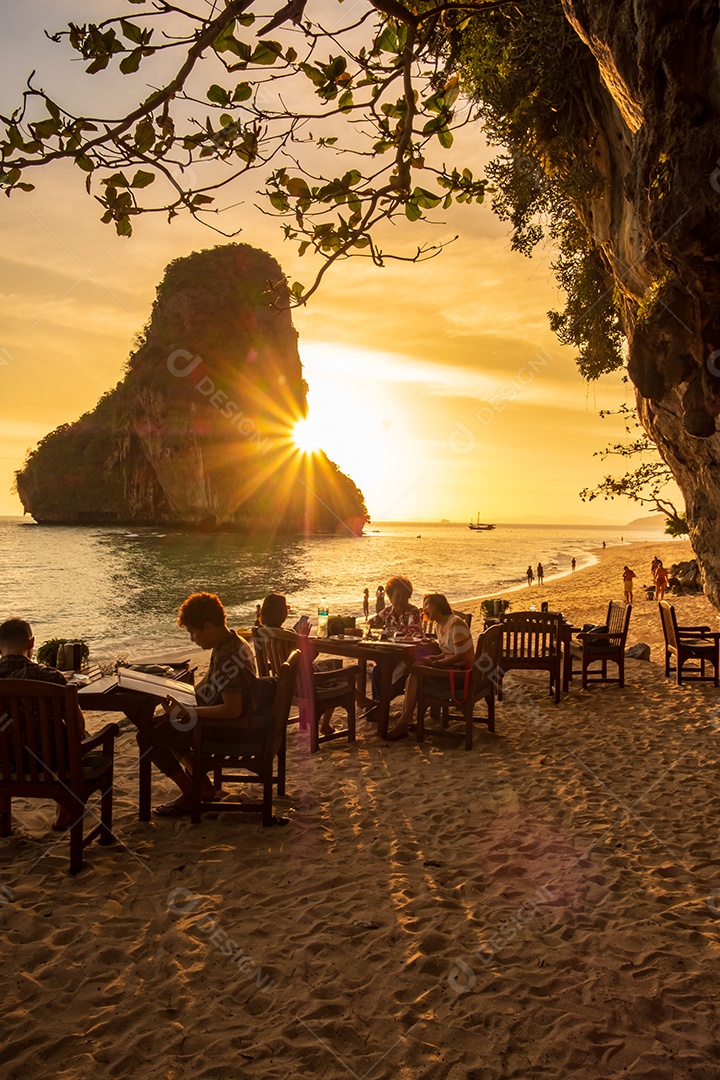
(120, 589)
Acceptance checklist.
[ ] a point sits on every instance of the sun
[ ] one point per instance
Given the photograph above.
(306, 437)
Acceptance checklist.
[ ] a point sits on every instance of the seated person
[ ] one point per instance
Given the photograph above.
(16, 662)
(273, 613)
(456, 650)
(398, 617)
(224, 696)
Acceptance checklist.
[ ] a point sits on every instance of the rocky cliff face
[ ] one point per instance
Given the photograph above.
(653, 113)
(199, 431)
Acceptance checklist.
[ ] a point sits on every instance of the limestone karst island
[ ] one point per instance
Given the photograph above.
(199, 432)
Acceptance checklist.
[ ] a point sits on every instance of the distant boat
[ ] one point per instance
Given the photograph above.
(479, 526)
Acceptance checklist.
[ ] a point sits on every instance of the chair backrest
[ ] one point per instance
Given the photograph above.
(487, 659)
(40, 733)
(273, 646)
(618, 619)
(466, 617)
(530, 635)
(283, 701)
(669, 624)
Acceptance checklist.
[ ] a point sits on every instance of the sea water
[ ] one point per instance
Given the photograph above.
(119, 589)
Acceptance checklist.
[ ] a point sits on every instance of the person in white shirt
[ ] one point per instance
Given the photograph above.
(456, 651)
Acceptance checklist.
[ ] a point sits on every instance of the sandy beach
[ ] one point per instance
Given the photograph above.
(544, 906)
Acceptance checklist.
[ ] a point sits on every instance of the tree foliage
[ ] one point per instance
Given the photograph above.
(644, 484)
(373, 89)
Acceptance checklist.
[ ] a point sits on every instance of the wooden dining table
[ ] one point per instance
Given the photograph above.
(104, 695)
(386, 654)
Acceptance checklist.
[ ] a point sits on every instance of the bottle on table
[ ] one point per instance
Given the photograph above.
(322, 627)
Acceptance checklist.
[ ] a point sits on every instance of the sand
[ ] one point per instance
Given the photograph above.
(546, 905)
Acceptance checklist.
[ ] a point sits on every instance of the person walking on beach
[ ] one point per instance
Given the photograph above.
(572, 564)
(661, 580)
(530, 575)
(654, 565)
(379, 599)
(366, 604)
(540, 573)
(628, 576)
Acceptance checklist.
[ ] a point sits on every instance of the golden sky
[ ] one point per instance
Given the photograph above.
(438, 387)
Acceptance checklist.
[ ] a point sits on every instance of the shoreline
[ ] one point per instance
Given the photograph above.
(583, 596)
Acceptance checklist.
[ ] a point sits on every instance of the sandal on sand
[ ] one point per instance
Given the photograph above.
(171, 809)
(369, 714)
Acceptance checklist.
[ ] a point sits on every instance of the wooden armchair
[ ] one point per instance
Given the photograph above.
(253, 749)
(532, 641)
(466, 617)
(44, 756)
(435, 687)
(316, 691)
(689, 643)
(604, 647)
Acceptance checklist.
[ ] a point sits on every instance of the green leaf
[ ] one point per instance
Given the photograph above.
(314, 75)
(130, 63)
(345, 103)
(123, 227)
(25, 187)
(118, 179)
(243, 91)
(85, 163)
(279, 201)
(266, 53)
(97, 65)
(218, 94)
(388, 41)
(45, 129)
(132, 32)
(297, 187)
(425, 198)
(144, 136)
(445, 137)
(142, 179)
(412, 212)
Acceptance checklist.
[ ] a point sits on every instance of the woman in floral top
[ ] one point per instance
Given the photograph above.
(399, 617)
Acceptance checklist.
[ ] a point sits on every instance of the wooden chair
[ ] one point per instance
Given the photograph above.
(253, 749)
(44, 756)
(532, 641)
(689, 643)
(466, 617)
(316, 690)
(604, 648)
(436, 686)
(322, 690)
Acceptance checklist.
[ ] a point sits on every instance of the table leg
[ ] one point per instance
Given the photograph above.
(142, 719)
(387, 665)
(361, 688)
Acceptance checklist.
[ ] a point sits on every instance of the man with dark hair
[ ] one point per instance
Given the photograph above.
(224, 698)
(16, 662)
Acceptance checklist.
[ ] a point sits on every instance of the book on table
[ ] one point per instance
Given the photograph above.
(157, 685)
